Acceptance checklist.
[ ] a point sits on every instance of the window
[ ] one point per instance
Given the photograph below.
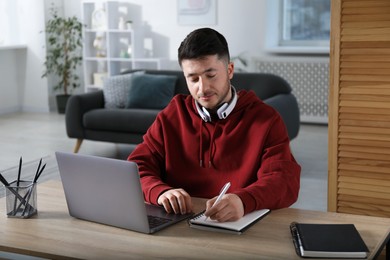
(305, 23)
(9, 22)
(298, 26)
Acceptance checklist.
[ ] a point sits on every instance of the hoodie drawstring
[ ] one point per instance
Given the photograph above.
(211, 150)
(211, 145)
(200, 143)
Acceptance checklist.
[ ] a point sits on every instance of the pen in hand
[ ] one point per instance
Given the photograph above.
(223, 191)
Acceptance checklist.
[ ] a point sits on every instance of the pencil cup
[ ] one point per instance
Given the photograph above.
(21, 199)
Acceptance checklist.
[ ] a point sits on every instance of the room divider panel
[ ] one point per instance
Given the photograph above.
(359, 108)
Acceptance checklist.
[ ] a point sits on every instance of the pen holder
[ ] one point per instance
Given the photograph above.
(21, 199)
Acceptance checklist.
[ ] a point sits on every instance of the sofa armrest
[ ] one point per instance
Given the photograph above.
(287, 106)
(76, 107)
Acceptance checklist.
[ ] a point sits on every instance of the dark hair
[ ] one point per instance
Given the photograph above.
(203, 42)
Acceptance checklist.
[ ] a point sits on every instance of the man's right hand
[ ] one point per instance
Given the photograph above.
(176, 201)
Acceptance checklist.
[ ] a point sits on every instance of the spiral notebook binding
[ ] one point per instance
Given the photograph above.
(199, 215)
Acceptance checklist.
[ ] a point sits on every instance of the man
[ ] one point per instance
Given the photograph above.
(216, 135)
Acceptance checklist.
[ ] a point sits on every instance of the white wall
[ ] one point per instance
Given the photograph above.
(9, 84)
(21, 86)
(34, 94)
(241, 22)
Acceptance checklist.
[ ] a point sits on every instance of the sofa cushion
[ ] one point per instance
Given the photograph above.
(151, 91)
(181, 84)
(120, 120)
(115, 90)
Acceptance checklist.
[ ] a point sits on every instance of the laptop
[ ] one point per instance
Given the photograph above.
(108, 191)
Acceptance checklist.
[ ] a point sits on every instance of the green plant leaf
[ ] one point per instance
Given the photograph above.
(64, 50)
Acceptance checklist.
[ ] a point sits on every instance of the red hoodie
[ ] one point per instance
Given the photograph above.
(250, 148)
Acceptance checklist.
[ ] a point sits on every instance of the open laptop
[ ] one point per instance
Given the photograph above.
(108, 191)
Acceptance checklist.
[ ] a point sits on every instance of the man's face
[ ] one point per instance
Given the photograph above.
(208, 80)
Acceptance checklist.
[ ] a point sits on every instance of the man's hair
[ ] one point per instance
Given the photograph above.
(203, 42)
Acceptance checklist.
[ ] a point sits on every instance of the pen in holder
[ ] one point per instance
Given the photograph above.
(21, 199)
(21, 196)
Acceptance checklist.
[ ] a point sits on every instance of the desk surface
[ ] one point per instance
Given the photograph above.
(54, 234)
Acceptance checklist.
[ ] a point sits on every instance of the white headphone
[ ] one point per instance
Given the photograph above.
(222, 112)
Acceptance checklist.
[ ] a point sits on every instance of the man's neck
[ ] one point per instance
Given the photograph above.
(229, 97)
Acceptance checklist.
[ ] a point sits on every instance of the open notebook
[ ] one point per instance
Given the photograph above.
(237, 227)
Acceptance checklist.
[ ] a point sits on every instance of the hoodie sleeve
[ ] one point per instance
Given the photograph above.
(149, 156)
(278, 178)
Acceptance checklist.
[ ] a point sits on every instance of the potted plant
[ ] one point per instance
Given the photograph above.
(64, 54)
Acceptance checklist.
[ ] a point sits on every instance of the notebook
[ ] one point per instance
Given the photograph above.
(108, 191)
(328, 241)
(236, 227)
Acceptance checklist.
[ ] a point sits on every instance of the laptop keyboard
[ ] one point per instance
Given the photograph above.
(157, 221)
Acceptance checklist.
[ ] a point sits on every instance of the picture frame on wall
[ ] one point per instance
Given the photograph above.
(197, 12)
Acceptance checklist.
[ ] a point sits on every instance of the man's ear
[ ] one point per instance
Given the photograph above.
(230, 69)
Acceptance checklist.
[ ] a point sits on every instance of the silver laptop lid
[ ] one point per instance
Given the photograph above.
(103, 190)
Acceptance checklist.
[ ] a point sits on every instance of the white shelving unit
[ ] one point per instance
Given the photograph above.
(122, 48)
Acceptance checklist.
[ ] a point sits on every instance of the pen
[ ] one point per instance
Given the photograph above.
(296, 238)
(39, 174)
(39, 167)
(20, 171)
(3, 180)
(223, 191)
(18, 180)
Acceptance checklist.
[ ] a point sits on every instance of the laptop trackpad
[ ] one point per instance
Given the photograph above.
(159, 211)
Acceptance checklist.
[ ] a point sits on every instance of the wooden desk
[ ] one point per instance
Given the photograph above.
(54, 234)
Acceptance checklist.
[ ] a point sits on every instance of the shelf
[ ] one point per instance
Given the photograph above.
(119, 31)
(95, 59)
(122, 59)
(13, 46)
(123, 49)
(108, 30)
(94, 30)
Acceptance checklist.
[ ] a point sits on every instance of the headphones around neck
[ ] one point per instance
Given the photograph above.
(222, 112)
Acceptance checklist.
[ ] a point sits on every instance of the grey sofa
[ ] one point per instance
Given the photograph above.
(87, 118)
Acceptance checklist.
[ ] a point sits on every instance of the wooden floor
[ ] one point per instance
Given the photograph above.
(36, 135)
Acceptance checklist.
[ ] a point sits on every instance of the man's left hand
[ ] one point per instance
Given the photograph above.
(229, 208)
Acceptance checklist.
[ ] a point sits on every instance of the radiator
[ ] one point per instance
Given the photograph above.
(309, 81)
